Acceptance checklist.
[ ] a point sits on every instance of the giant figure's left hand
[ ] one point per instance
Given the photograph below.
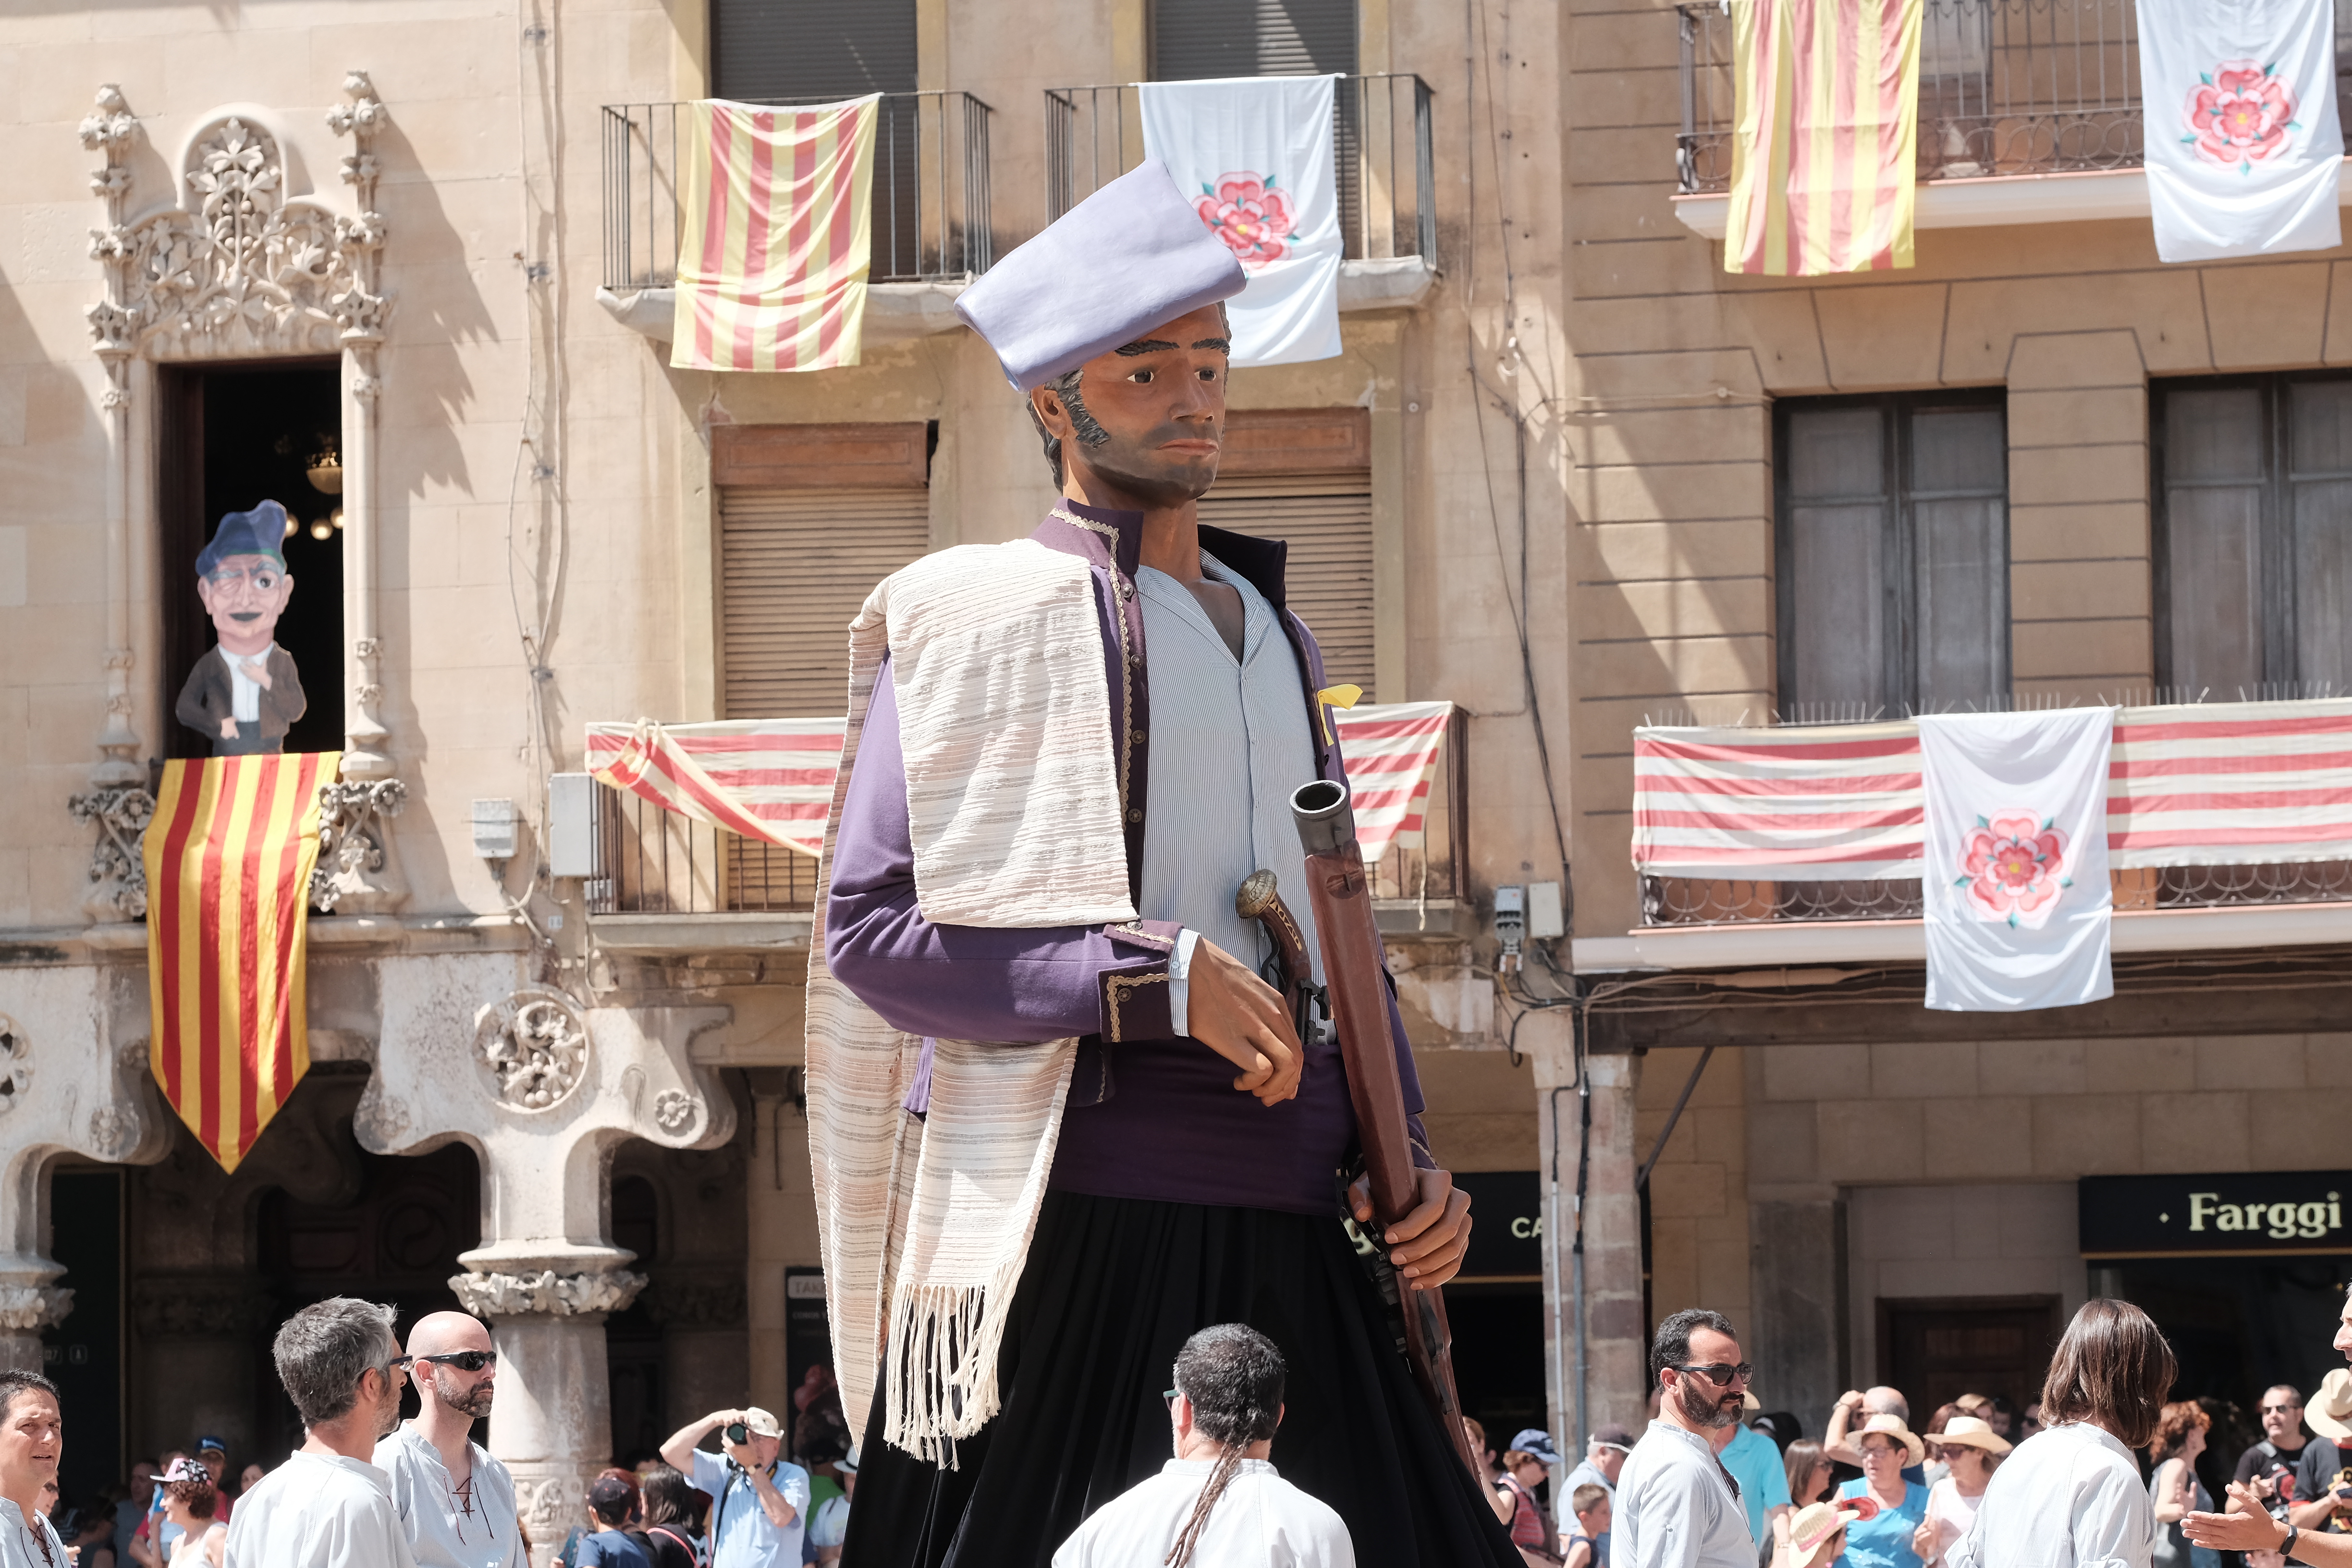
(1427, 1245)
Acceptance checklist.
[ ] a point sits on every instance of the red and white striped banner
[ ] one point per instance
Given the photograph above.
(2231, 783)
(764, 778)
(2223, 784)
(772, 778)
(1392, 750)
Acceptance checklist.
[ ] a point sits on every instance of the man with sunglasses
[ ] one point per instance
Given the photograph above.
(244, 694)
(456, 1502)
(2290, 1471)
(1677, 1506)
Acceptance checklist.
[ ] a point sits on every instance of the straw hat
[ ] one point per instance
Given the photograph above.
(2329, 1411)
(1892, 1425)
(1972, 1432)
(1813, 1538)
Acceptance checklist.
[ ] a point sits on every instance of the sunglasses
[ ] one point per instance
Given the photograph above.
(2279, 1409)
(464, 1361)
(1720, 1375)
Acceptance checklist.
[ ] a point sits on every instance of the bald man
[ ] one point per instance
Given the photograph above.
(456, 1502)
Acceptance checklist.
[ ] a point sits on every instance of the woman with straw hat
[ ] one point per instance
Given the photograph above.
(1973, 1450)
(1884, 1540)
(1815, 1535)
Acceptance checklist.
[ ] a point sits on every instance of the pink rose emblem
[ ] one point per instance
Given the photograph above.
(2014, 866)
(1250, 215)
(2241, 114)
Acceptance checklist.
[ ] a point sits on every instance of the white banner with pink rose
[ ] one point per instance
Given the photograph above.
(2244, 149)
(1255, 156)
(2017, 899)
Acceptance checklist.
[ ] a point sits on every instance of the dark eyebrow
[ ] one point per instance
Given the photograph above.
(1145, 346)
(1220, 344)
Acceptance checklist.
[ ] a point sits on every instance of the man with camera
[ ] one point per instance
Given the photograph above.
(760, 1502)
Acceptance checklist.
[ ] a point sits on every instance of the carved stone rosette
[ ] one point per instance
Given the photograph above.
(118, 878)
(16, 1065)
(495, 1295)
(355, 846)
(534, 1044)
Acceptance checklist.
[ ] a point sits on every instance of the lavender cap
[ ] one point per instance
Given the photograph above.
(1127, 258)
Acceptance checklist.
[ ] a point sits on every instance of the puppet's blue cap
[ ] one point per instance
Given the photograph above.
(1127, 258)
(261, 532)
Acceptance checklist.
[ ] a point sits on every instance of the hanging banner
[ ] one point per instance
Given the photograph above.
(1255, 156)
(1825, 135)
(770, 779)
(2017, 902)
(228, 859)
(2244, 148)
(777, 237)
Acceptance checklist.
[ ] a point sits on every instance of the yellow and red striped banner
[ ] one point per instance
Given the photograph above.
(228, 859)
(1825, 151)
(774, 252)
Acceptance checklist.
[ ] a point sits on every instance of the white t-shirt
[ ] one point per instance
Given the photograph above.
(1952, 1514)
(1260, 1522)
(188, 1551)
(319, 1511)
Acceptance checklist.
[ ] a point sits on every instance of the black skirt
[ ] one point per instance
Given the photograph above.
(1113, 1289)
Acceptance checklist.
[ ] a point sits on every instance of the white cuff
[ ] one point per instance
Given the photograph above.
(1180, 971)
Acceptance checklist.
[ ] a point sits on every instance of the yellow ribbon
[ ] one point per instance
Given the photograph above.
(1335, 697)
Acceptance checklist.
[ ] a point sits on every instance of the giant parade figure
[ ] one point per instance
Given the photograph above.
(1058, 1121)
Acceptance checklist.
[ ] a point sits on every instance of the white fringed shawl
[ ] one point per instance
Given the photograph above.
(1013, 801)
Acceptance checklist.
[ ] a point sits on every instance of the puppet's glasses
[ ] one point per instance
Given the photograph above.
(261, 579)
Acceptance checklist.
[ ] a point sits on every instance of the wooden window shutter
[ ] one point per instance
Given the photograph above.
(812, 49)
(1192, 40)
(810, 519)
(1304, 475)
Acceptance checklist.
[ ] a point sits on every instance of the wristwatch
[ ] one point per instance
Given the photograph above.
(2286, 1547)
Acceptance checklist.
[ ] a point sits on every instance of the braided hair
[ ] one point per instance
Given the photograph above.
(1232, 1376)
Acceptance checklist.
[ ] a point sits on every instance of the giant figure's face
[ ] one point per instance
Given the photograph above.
(1151, 422)
(245, 595)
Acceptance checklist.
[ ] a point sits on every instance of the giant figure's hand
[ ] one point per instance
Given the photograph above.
(1238, 1015)
(1427, 1245)
(228, 728)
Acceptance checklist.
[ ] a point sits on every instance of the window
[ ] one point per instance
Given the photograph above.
(1304, 475)
(2254, 535)
(1193, 41)
(1893, 554)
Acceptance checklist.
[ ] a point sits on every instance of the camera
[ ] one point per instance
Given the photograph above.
(738, 1433)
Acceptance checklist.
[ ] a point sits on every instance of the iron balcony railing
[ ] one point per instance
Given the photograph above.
(2006, 88)
(649, 861)
(1386, 168)
(930, 189)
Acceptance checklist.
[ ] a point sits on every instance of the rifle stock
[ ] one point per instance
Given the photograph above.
(1354, 975)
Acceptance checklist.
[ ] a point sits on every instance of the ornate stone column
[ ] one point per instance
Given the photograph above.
(59, 1095)
(543, 1087)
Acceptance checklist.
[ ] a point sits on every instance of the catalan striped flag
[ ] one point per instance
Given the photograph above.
(228, 859)
(1824, 148)
(777, 233)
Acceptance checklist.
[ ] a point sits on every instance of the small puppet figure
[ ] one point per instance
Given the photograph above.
(244, 694)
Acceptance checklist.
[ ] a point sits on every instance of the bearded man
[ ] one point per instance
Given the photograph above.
(1058, 1122)
(1677, 1506)
(456, 1502)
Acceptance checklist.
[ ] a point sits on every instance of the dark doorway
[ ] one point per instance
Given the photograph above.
(232, 436)
(1937, 1350)
(1498, 1357)
(396, 1242)
(633, 1339)
(83, 1355)
(2237, 1325)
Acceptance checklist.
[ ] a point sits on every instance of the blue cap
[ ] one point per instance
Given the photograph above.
(1537, 1441)
(261, 532)
(214, 1445)
(1127, 258)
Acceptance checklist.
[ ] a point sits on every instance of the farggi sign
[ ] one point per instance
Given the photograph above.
(2270, 1211)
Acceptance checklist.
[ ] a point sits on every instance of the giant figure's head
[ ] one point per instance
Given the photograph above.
(241, 576)
(1111, 321)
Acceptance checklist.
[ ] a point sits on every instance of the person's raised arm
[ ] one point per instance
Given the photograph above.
(678, 1452)
(1833, 1443)
(2247, 1527)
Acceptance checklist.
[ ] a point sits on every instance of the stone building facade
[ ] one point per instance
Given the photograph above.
(361, 258)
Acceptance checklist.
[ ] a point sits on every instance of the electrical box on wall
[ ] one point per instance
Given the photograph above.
(1544, 915)
(494, 829)
(1510, 923)
(571, 835)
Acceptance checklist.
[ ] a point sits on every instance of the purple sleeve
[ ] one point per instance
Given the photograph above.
(970, 982)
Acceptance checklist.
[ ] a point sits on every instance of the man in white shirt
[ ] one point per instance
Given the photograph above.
(758, 1502)
(1677, 1506)
(1219, 1503)
(328, 1507)
(32, 1437)
(457, 1503)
